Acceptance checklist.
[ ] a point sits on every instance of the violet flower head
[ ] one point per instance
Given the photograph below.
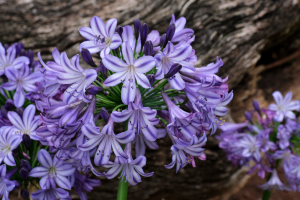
(8, 142)
(274, 183)
(76, 77)
(172, 55)
(52, 168)
(6, 185)
(100, 37)
(8, 59)
(28, 124)
(21, 80)
(141, 120)
(250, 147)
(129, 72)
(284, 107)
(49, 191)
(131, 169)
(107, 140)
(180, 32)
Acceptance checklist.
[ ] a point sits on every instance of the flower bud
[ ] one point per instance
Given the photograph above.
(151, 78)
(162, 40)
(173, 70)
(144, 33)
(137, 28)
(24, 173)
(19, 47)
(20, 111)
(106, 93)
(87, 57)
(119, 30)
(26, 140)
(26, 164)
(93, 90)
(30, 55)
(248, 116)
(103, 69)
(256, 106)
(148, 48)
(104, 114)
(25, 194)
(170, 33)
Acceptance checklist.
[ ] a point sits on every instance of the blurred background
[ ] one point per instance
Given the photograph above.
(258, 40)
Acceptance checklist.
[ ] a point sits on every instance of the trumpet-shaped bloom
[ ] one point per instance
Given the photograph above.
(76, 77)
(284, 107)
(170, 55)
(131, 169)
(180, 32)
(129, 72)
(8, 59)
(6, 185)
(181, 148)
(141, 121)
(49, 191)
(28, 124)
(8, 142)
(101, 38)
(52, 168)
(107, 140)
(274, 183)
(21, 80)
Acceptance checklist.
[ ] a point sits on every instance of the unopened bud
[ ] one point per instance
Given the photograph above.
(93, 90)
(26, 140)
(175, 68)
(137, 28)
(87, 57)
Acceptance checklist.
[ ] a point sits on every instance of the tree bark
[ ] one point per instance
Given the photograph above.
(237, 31)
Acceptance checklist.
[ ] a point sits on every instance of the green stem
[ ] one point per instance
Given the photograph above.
(266, 195)
(123, 184)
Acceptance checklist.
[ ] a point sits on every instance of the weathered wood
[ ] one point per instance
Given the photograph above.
(236, 30)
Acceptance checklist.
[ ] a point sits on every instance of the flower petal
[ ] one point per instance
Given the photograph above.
(114, 63)
(142, 80)
(39, 172)
(19, 98)
(144, 64)
(277, 97)
(125, 137)
(98, 26)
(120, 116)
(111, 27)
(116, 41)
(127, 53)
(87, 33)
(62, 182)
(45, 159)
(91, 46)
(16, 120)
(115, 79)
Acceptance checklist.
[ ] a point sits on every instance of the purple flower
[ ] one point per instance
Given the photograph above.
(78, 78)
(141, 121)
(180, 32)
(284, 136)
(28, 124)
(107, 140)
(284, 106)
(169, 56)
(8, 142)
(6, 185)
(51, 70)
(263, 139)
(250, 147)
(274, 183)
(52, 168)
(49, 191)
(129, 72)
(101, 38)
(21, 80)
(131, 169)
(83, 183)
(8, 59)
(181, 148)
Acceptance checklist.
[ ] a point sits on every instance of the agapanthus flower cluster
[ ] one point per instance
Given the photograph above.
(60, 120)
(268, 140)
